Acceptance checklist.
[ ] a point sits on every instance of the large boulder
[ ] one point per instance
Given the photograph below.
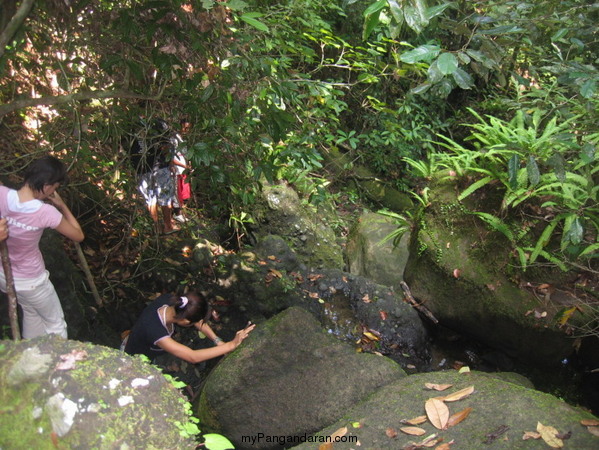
(288, 378)
(280, 212)
(58, 393)
(497, 414)
(371, 254)
(462, 272)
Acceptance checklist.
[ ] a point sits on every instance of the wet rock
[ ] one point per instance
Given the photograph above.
(288, 378)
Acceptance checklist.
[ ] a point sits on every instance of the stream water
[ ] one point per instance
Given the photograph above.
(451, 350)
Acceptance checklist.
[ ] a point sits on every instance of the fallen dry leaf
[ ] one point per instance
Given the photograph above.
(464, 369)
(415, 421)
(383, 315)
(276, 273)
(272, 257)
(590, 422)
(457, 273)
(593, 430)
(430, 441)
(459, 395)
(340, 432)
(445, 445)
(437, 412)
(549, 435)
(458, 417)
(391, 433)
(371, 336)
(366, 299)
(437, 387)
(531, 435)
(327, 446)
(412, 431)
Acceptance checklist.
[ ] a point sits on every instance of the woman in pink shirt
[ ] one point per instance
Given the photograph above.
(28, 211)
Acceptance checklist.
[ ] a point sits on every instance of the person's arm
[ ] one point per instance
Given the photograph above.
(68, 226)
(3, 230)
(203, 354)
(209, 333)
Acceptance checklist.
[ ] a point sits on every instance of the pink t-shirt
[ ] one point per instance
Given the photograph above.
(26, 223)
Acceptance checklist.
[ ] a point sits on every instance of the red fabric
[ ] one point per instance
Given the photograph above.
(183, 188)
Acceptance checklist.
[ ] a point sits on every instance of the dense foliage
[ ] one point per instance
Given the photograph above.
(500, 93)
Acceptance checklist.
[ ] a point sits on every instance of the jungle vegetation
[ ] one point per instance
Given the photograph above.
(501, 95)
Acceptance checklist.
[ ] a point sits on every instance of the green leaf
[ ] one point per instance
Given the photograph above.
(558, 163)
(503, 29)
(423, 53)
(463, 79)
(250, 20)
(236, 5)
(587, 90)
(592, 250)
(370, 24)
(532, 169)
(474, 186)
(587, 153)
(513, 166)
(447, 63)
(214, 441)
(375, 8)
(496, 223)
(544, 239)
(573, 231)
(434, 74)
(396, 11)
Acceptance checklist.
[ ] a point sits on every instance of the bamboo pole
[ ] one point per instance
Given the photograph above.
(88, 274)
(10, 292)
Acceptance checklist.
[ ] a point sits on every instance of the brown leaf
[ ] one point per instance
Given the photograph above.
(590, 422)
(391, 433)
(593, 430)
(437, 412)
(531, 435)
(413, 431)
(366, 299)
(272, 257)
(276, 273)
(457, 273)
(437, 387)
(458, 417)
(415, 421)
(340, 432)
(431, 441)
(549, 435)
(383, 315)
(445, 445)
(327, 446)
(459, 395)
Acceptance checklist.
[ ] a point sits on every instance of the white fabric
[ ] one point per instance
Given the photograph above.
(42, 312)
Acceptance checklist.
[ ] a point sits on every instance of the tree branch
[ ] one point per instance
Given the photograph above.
(78, 96)
(14, 24)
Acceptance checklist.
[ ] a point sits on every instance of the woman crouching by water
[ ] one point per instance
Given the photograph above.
(151, 334)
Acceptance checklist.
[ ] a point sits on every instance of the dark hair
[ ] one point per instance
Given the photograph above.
(196, 307)
(43, 171)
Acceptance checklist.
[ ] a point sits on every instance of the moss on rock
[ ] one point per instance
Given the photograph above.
(79, 395)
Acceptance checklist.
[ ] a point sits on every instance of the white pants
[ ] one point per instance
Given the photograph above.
(42, 312)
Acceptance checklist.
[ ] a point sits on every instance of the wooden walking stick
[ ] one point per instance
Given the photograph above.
(10, 292)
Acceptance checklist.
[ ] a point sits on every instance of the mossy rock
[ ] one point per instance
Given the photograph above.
(289, 377)
(376, 423)
(56, 393)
